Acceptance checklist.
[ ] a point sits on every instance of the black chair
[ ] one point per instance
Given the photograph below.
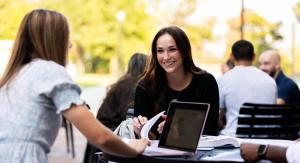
(69, 136)
(269, 121)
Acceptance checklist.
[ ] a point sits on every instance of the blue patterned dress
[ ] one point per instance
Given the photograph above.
(30, 111)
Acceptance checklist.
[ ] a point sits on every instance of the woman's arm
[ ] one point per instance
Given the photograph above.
(101, 136)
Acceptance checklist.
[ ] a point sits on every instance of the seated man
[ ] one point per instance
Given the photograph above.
(288, 91)
(244, 83)
(254, 152)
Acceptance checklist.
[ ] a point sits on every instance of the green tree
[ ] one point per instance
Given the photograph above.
(98, 36)
(258, 30)
(98, 33)
(295, 66)
(170, 13)
(296, 10)
(14, 11)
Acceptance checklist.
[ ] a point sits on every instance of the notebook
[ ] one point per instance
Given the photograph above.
(183, 127)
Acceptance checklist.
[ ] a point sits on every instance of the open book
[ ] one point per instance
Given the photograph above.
(218, 141)
(228, 141)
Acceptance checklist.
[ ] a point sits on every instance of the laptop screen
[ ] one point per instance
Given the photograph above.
(184, 125)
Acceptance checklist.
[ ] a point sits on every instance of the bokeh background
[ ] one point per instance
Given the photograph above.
(105, 33)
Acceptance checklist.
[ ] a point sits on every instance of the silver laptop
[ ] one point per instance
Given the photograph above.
(183, 127)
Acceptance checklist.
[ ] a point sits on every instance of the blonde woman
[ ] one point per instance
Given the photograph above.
(36, 90)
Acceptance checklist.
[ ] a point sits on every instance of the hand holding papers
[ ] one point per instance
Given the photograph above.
(146, 128)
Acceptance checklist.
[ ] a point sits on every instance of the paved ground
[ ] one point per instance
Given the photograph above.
(58, 154)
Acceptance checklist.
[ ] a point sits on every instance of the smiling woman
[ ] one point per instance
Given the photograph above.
(172, 75)
(168, 55)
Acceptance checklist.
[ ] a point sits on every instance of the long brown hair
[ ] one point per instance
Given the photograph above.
(135, 69)
(42, 34)
(155, 76)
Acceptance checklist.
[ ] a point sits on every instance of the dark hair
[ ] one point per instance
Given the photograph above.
(243, 50)
(135, 69)
(155, 76)
(230, 64)
(121, 94)
(137, 64)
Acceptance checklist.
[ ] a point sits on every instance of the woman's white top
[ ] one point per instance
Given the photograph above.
(30, 111)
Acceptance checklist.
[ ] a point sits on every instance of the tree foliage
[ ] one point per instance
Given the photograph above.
(12, 12)
(296, 10)
(258, 30)
(295, 67)
(95, 30)
(100, 34)
(178, 13)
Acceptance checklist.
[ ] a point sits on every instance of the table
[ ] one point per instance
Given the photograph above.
(215, 155)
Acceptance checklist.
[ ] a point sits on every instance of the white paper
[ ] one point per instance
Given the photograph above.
(233, 155)
(154, 143)
(218, 141)
(157, 151)
(146, 128)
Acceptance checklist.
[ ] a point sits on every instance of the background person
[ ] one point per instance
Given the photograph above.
(171, 75)
(36, 90)
(244, 83)
(228, 65)
(288, 90)
(119, 98)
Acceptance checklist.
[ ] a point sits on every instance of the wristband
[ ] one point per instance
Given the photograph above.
(262, 151)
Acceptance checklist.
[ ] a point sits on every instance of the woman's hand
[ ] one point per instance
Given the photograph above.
(139, 145)
(138, 123)
(249, 152)
(162, 124)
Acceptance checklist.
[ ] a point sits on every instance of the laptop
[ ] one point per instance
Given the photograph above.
(182, 130)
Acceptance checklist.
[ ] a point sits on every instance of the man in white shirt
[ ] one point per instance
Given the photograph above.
(244, 83)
